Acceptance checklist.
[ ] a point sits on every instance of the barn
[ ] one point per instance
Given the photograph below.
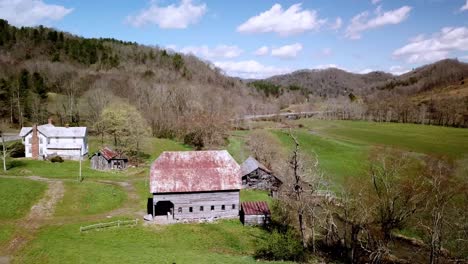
(256, 176)
(255, 213)
(195, 185)
(108, 159)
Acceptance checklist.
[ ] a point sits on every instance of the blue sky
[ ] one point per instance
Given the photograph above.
(256, 39)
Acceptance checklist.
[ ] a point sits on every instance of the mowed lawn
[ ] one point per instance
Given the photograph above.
(87, 198)
(222, 242)
(17, 196)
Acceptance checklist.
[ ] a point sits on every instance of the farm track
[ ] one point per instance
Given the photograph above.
(42, 212)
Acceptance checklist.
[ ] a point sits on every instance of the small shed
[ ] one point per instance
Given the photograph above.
(255, 213)
(108, 159)
(256, 176)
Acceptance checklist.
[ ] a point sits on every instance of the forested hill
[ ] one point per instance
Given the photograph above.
(333, 82)
(45, 72)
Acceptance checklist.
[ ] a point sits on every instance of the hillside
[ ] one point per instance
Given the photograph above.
(330, 82)
(45, 72)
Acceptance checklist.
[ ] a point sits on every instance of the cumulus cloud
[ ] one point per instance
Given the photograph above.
(31, 12)
(249, 69)
(374, 2)
(172, 16)
(262, 51)
(464, 7)
(287, 51)
(436, 47)
(338, 23)
(220, 51)
(363, 22)
(293, 20)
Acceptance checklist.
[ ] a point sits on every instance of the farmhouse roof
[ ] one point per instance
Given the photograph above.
(252, 164)
(194, 171)
(255, 208)
(50, 130)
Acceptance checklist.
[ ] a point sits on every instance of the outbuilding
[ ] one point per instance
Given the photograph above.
(108, 159)
(256, 176)
(255, 213)
(195, 185)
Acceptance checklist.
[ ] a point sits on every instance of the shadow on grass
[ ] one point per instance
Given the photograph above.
(15, 164)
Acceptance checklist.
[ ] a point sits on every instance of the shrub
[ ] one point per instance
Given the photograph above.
(55, 159)
(16, 150)
(280, 246)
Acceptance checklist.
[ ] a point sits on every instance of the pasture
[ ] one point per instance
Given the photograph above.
(342, 147)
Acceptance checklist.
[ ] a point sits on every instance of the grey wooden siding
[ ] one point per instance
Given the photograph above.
(260, 180)
(205, 199)
(256, 219)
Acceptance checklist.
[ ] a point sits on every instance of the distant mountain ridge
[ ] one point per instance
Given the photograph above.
(333, 82)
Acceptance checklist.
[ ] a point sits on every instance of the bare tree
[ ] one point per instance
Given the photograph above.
(397, 192)
(299, 192)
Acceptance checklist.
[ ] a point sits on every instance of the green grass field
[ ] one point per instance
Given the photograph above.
(221, 242)
(6, 232)
(17, 196)
(87, 198)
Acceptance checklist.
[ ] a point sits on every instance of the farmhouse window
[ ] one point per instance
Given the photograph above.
(201, 208)
(179, 210)
(212, 208)
(74, 139)
(190, 209)
(233, 206)
(40, 140)
(223, 207)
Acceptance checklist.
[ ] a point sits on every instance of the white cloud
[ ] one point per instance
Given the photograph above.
(262, 51)
(338, 23)
(31, 12)
(364, 71)
(250, 69)
(171, 16)
(436, 47)
(220, 51)
(362, 22)
(374, 2)
(398, 70)
(291, 21)
(287, 51)
(464, 7)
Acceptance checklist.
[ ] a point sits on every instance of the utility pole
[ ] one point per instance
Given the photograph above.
(79, 180)
(4, 150)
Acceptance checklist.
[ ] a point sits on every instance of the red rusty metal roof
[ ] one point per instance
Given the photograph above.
(194, 171)
(108, 153)
(255, 208)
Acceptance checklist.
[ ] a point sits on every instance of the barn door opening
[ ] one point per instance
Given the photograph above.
(164, 208)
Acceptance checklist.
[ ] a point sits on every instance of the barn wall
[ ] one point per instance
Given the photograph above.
(256, 219)
(205, 199)
(260, 180)
(98, 162)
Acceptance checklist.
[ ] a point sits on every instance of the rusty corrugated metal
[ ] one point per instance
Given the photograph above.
(108, 153)
(255, 208)
(194, 171)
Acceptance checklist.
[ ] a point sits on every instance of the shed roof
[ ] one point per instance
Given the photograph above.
(109, 154)
(252, 164)
(50, 130)
(194, 171)
(255, 208)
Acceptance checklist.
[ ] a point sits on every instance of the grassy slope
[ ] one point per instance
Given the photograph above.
(17, 196)
(88, 198)
(222, 242)
(6, 233)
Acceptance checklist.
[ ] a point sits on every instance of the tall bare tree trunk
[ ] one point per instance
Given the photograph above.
(4, 150)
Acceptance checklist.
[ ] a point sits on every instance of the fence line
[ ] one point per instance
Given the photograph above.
(117, 223)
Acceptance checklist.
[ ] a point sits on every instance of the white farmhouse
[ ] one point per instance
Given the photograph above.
(48, 140)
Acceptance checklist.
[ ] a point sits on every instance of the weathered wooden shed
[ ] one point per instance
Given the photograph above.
(108, 159)
(256, 176)
(195, 185)
(255, 213)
